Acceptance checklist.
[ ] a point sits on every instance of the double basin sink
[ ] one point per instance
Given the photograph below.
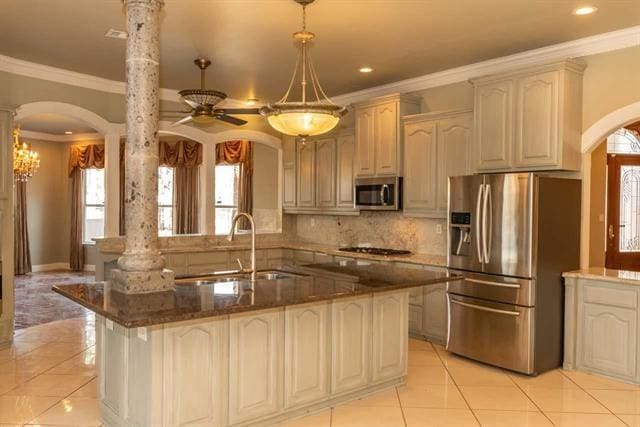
(225, 277)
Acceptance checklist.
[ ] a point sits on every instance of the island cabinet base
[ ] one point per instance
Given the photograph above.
(253, 368)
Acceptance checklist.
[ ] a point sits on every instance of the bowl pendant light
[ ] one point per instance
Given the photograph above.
(306, 117)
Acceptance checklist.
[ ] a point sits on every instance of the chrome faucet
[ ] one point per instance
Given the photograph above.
(232, 234)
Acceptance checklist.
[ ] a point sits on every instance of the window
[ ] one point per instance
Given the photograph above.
(226, 196)
(165, 201)
(93, 211)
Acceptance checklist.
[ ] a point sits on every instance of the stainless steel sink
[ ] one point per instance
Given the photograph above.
(276, 275)
(261, 275)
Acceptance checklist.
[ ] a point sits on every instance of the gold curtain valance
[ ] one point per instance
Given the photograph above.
(173, 154)
(86, 157)
(233, 152)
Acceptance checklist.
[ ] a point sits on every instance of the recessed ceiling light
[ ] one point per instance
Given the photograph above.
(251, 101)
(366, 69)
(116, 34)
(68, 132)
(584, 10)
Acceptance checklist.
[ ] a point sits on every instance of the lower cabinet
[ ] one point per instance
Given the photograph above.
(389, 346)
(307, 353)
(255, 365)
(434, 323)
(351, 343)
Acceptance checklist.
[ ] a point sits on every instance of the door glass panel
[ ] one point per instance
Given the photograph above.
(629, 208)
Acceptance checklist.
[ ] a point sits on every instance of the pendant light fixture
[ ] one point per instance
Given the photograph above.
(315, 113)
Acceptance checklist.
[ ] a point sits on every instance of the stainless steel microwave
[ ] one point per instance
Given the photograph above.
(379, 193)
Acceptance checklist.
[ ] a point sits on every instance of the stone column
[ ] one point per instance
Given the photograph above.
(7, 306)
(141, 267)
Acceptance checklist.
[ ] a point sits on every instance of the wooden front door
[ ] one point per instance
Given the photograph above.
(623, 212)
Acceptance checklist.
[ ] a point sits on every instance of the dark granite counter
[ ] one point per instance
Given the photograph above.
(193, 300)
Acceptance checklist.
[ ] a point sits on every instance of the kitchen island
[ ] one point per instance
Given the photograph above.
(231, 352)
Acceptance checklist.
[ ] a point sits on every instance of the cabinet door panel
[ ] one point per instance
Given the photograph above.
(435, 312)
(365, 143)
(289, 187)
(307, 352)
(537, 104)
(255, 365)
(346, 147)
(390, 320)
(351, 340)
(420, 168)
(326, 173)
(454, 145)
(493, 125)
(415, 318)
(306, 174)
(386, 139)
(607, 340)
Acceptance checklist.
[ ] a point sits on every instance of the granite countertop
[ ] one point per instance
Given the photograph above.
(312, 283)
(606, 275)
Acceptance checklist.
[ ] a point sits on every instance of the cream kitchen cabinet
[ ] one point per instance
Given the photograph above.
(344, 181)
(306, 174)
(434, 319)
(351, 344)
(529, 119)
(288, 172)
(378, 134)
(307, 353)
(255, 365)
(390, 317)
(326, 173)
(436, 147)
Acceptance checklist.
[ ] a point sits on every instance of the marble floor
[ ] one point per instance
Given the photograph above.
(48, 378)
(36, 303)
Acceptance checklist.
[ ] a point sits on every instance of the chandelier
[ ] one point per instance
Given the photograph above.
(305, 117)
(25, 161)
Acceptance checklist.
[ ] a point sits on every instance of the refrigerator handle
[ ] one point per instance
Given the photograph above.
(478, 222)
(487, 223)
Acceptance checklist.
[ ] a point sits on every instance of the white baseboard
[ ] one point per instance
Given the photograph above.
(58, 266)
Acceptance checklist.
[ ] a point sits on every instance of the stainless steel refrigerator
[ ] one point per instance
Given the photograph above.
(511, 236)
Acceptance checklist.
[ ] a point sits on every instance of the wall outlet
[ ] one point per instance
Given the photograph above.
(438, 228)
(142, 334)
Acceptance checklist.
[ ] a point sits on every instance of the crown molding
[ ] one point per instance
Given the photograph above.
(592, 45)
(43, 136)
(600, 43)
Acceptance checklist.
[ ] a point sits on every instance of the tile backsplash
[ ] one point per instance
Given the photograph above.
(380, 229)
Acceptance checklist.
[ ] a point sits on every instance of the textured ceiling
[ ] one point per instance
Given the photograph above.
(250, 43)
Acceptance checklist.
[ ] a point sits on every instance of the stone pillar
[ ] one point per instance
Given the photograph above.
(112, 185)
(7, 306)
(141, 267)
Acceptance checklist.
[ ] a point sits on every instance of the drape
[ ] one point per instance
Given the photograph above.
(22, 255)
(85, 157)
(240, 152)
(185, 157)
(76, 260)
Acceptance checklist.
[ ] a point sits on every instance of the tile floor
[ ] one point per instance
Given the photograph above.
(36, 303)
(48, 378)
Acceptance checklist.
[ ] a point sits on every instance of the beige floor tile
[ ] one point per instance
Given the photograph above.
(619, 401)
(18, 349)
(22, 409)
(386, 398)
(50, 385)
(90, 389)
(584, 420)
(420, 376)
(432, 396)
(58, 350)
(564, 400)
(551, 379)
(73, 411)
(429, 417)
(82, 364)
(322, 419)
(630, 420)
(497, 397)
(424, 358)
(480, 376)
(598, 382)
(511, 418)
(366, 416)
(415, 344)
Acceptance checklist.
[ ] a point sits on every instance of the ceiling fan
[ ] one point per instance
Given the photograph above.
(203, 104)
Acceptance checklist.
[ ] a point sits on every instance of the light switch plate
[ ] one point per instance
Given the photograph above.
(142, 334)
(109, 324)
(438, 228)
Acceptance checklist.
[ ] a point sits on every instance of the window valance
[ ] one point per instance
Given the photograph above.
(233, 152)
(183, 153)
(86, 157)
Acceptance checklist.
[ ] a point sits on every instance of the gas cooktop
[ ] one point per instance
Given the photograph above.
(375, 251)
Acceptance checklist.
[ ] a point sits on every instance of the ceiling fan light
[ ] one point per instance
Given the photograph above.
(203, 119)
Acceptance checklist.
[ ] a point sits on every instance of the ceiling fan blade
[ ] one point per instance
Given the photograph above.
(238, 110)
(233, 120)
(183, 121)
(191, 104)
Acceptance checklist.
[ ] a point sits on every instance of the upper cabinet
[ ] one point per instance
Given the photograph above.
(436, 146)
(289, 196)
(345, 149)
(306, 174)
(530, 119)
(378, 134)
(326, 173)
